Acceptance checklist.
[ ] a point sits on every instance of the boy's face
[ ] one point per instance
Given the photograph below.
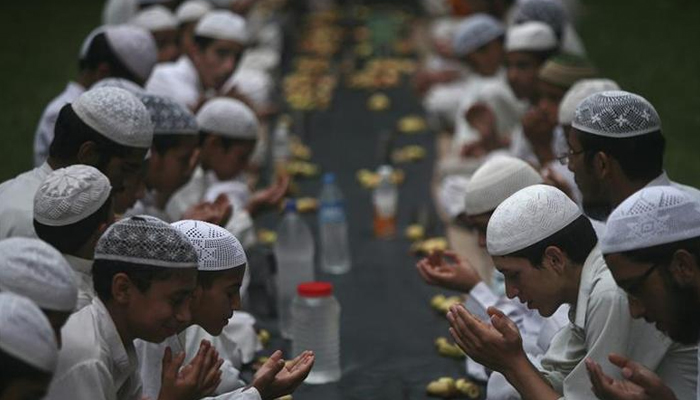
(171, 170)
(487, 59)
(167, 44)
(549, 97)
(217, 62)
(214, 306)
(539, 287)
(226, 163)
(164, 309)
(480, 223)
(522, 69)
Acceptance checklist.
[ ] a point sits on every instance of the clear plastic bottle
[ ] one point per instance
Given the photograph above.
(333, 228)
(316, 327)
(294, 251)
(385, 198)
(280, 141)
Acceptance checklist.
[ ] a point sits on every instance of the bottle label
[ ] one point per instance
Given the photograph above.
(332, 212)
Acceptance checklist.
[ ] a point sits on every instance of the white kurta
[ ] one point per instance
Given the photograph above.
(599, 324)
(178, 80)
(94, 363)
(82, 270)
(44, 131)
(17, 202)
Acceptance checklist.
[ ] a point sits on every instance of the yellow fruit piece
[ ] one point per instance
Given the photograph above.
(447, 349)
(449, 302)
(437, 300)
(287, 397)
(266, 236)
(408, 153)
(299, 150)
(264, 337)
(443, 387)
(307, 204)
(302, 168)
(378, 102)
(429, 245)
(415, 232)
(412, 124)
(468, 388)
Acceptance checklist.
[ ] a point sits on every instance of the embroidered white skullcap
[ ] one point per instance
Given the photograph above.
(228, 117)
(135, 47)
(578, 92)
(527, 217)
(34, 269)
(169, 117)
(120, 83)
(85, 47)
(451, 194)
(192, 10)
(216, 247)
(26, 333)
(551, 12)
(155, 18)
(531, 36)
(616, 114)
(651, 217)
(116, 114)
(496, 180)
(474, 32)
(146, 240)
(222, 25)
(70, 194)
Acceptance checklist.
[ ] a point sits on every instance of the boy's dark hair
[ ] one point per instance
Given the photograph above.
(640, 157)
(100, 51)
(12, 369)
(70, 238)
(663, 253)
(163, 143)
(142, 276)
(577, 240)
(226, 142)
(203, 42)
(71, 132)
(206, 279)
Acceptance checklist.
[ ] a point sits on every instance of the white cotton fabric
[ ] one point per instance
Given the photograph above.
(82, 271)
(229, 118)
(17, 202)
(527, 217)
(135, 47)
(70, 194)
(651, 217)
(34, 269)
(496, 180)
(146, 240)
(155, 18)
(217, 248)
(474, 32)
(616, 114)
(117, 114)
(223, 25)
(451, 194)
(578, 92)
(26, 334)
(254, 84)
(192, 11)
(169, 117)
(531, 36)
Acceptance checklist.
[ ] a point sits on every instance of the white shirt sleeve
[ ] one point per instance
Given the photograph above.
(85, 381)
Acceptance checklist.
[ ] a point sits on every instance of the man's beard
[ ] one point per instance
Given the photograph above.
(685, 307)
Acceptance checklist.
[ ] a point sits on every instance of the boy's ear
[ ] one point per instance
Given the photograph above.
(121, 288)
(554, 257)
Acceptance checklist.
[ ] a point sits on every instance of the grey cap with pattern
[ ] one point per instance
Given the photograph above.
(651, 217)
(146, 241)
(474, 32)
(217, 248)
(616, 114)
(168, 116)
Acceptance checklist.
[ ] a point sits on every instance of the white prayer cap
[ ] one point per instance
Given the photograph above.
(616, 114)
(578, 92)
(192, 10)
(528, 217)
(551, 12)
(26, 333)
(116, 114)
(120, 83)
(223, 25)
(135, 47)
(216, 247)
(651, 217)
(33, 268)
(530, 36)
(496, 180)
(228, 117)
(168, 116)
(474, 32)
(146, 240)
(88, 41)
(70, 194)
(451, 194)
(255, 84)
(155, 18)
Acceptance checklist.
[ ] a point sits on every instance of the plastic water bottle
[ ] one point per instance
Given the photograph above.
(316, 327)
(294, 251)
(333, 227)
(280, 141)
(385, 199)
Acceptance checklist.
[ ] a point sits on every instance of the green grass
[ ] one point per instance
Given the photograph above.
(647, 46)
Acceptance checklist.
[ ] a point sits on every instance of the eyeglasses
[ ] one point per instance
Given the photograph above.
(564, 158)
(633, 285)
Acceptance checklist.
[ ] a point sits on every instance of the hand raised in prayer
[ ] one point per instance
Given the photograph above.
(497, 346)
(218, 212)
(455, 274)
(270, 196)
(639, 383)
(276, 378)
(197, 379)
(481, 118)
